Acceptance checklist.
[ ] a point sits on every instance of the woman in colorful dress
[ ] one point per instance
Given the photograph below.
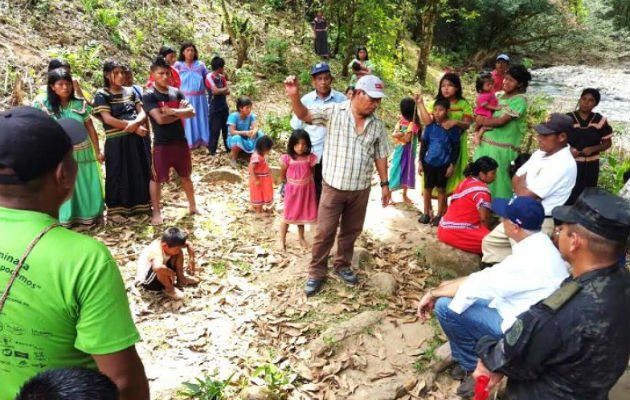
(86, 204)
(192, 73)
(320, 28)
(460, 115)
(402, 174)
(466, 221)
(590, 136)
(502, 142)
(127, 168)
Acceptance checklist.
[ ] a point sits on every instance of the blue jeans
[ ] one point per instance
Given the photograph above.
(465, 329)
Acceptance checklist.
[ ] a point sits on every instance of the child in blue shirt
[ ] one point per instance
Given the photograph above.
(438, 154)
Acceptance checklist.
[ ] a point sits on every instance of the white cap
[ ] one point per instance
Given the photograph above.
(371, 85)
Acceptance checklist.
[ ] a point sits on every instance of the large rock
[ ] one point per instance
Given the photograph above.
(223, 175)
(384, 283)
(338, 333)
(449, 262)
(359, 257)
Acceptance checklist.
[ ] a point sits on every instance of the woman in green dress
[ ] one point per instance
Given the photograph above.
(460, 114)
(507, 129)
(86, 204)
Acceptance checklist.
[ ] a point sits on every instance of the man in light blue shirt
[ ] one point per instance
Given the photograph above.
(323, 94)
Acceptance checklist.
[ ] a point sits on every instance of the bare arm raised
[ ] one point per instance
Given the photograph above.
(292, 89)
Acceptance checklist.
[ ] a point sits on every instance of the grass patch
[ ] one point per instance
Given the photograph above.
(218, 267)
(243, 267)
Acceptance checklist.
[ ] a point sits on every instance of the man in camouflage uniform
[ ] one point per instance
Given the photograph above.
(575, 344)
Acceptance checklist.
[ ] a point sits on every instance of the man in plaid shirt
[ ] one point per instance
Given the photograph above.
(355, 143)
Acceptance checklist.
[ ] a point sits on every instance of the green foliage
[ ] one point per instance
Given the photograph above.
(208, 388)
(278, 127)
(275, 378)
(274, 59)
(245, 83)
(612, 167)
(537, 112)
(85, 61)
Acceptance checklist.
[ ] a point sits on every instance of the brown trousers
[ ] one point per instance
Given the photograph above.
(337, 209)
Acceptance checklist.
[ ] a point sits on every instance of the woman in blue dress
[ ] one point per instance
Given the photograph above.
(243, 129)
(193, 74)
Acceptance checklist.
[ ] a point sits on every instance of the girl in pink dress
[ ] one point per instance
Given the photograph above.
(260, 179)
(300, 202)
(487, 102)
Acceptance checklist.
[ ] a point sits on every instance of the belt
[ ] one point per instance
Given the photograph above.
(587, 158)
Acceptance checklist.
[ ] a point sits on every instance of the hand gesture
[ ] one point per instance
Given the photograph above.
(419, 99)
(587, 151)
(142, 131)
(131, 127)
(291, 86)
(449, 170)
(575, 152)
(166, 110)
(425, 307)
(100, 157)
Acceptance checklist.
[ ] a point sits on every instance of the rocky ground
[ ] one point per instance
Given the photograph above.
(249, 311)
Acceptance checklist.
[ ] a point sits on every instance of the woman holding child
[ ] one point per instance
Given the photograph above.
(502, 141)
(460, 115)
(465, 223)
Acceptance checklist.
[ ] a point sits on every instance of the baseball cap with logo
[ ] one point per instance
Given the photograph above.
(319, 68)
(371, 85)
(524, 211)
(556, 123)
(32, 143)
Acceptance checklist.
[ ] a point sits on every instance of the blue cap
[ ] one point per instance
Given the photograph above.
(524, 211)
(319, 68)
(503, 57)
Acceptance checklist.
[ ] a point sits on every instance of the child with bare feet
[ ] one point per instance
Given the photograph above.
(487, 102)
(161, 264)
(167, 107)
(300, 200)
(402, 173)
(260, 179)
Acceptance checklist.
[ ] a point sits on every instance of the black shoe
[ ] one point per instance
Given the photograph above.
(347, 275)
(313, 286)
(458, 373)
(484, 265)
(424, 219)
(436, 220)
(467, 389)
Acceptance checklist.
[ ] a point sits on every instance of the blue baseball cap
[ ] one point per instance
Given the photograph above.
(503, 57)
(319, 68)
(524, 211)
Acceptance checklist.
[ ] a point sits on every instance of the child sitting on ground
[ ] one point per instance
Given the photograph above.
(438, 154)
(161, 264)
(300, 202)
(486, 104)
(260, 179)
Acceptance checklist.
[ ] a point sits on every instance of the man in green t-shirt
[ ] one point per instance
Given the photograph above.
(67, 306)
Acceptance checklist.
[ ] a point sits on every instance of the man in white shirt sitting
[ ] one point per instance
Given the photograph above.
(548, 176)
(487, 302)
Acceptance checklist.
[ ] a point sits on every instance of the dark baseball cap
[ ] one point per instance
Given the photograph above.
(524, 211)
(557, 123)
(319, 68)
(32, 143)
(600, 212)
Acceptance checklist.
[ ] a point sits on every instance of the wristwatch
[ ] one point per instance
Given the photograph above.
(384, 183)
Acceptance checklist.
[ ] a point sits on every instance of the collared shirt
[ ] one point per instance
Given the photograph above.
(348, 155)
(550, 177)
(315, 132)
(574, 345)
(533, 271)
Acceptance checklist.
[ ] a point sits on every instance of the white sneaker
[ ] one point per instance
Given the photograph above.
(176, 294)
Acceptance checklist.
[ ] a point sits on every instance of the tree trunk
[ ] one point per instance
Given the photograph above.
(428, 20)
(239, 42)
(350, 38)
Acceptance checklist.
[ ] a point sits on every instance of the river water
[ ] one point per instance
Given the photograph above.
(564, 83)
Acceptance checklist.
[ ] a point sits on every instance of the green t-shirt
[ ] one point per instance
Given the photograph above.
(68, 302)
(458, 111)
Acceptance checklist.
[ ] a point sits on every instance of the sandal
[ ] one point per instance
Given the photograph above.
(436, 220)
(424, 219)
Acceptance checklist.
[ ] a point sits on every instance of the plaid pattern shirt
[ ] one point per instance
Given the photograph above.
(349, 156)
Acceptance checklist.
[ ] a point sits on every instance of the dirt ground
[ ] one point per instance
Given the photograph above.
(250, 309)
